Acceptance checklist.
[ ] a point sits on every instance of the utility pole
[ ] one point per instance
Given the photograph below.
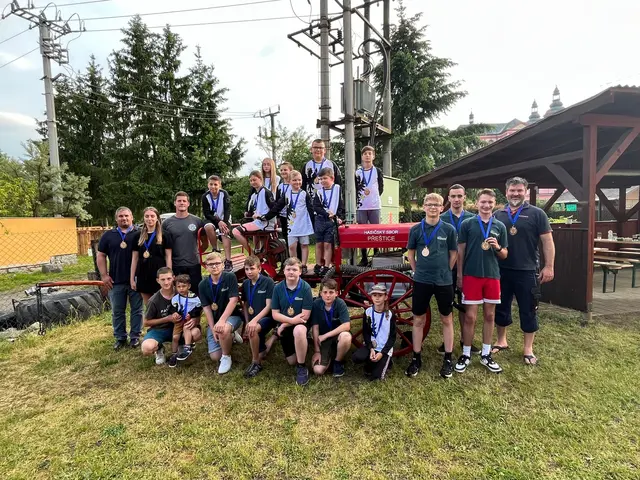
(273, 135)
(366, 60)
(51, 49)
(349, 129)
(325, 78)
(386, 100)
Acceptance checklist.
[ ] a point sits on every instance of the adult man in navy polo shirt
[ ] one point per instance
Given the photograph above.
(117, 246)
(527, 225)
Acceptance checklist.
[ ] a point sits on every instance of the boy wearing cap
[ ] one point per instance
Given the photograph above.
(331, 324)
(432, 251)
(379, 334)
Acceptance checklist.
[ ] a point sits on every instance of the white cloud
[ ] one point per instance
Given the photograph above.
(19, 119)
(20, 64)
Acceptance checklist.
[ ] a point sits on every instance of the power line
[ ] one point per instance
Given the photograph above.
(14, 36)
(247, 20)
(68, 4)
(184, 10)
(18, 58)
(294, 12)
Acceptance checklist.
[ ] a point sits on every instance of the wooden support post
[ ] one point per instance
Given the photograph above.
(552, 200)
(567, 180)
(608, 205)
(533, 194)
(615, 152)
(622, 209)
(589, 162)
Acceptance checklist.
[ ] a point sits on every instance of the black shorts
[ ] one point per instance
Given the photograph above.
(324, 230)
(422, 293)
(328, 350)
(287, 341)
(194, 272)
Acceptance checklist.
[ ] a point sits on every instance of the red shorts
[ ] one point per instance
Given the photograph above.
(478, 290)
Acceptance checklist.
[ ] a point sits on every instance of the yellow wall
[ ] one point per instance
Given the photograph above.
(29, 241)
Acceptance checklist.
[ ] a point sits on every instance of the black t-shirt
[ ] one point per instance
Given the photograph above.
(159, 307)
(183, 236)
(220, 293)
(262, 291)
(523, 246)
(319, 317)
(119, 258)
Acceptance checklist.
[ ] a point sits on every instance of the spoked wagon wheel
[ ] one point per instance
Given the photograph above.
(400, 288)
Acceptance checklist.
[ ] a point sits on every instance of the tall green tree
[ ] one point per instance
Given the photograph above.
(291, 145)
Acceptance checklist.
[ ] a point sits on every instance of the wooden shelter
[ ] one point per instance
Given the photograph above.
(584, 148)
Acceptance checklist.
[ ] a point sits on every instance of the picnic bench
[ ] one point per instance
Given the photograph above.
(613, 261)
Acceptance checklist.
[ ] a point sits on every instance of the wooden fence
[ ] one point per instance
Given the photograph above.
(86, 235)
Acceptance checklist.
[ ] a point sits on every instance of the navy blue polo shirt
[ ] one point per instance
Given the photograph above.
(119, 258)
(523, 246)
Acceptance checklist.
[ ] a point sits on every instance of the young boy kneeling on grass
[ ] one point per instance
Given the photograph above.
(257, 291)
(187, 305)
(379, 333)
(331, 324)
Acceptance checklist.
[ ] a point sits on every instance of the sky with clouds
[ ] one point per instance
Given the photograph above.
(508, 53)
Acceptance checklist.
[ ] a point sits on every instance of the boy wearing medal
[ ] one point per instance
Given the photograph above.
(311, 170)
(331, 324)
(432, 251)
(379, 335)
(291, 307)
(216, 209)
(369, 187)
(328, 205)
(187, 305)
(455, 216)
(481, 243)
(219, 298)
(257, 291)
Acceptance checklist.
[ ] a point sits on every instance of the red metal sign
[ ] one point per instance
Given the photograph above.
(375, 236)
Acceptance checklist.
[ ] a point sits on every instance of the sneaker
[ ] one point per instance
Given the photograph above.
(305, 269)
(463, 363)
(368, 370)
(363, 263)
(441, 349)
(253, 370)
(474, 350)
(228, 266)
(237, 338)
(134, 343)
(185, 353)
(338, 369)
(488, 362)
(225, 364)
(447, 369)
(119, 344)
(324, 270)
(173, 360)
(316, 269)
(160, 358)
(302, 376)
(412, 369)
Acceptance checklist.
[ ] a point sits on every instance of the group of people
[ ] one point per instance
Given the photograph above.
(486, 259)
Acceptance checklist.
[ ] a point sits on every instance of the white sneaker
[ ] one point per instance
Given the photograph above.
(237, 338)
(160, 358)
(225, 364)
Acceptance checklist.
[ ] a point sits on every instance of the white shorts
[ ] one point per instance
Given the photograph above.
(302, 239)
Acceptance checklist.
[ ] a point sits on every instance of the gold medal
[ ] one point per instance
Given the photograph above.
(513, 230)
(367, 191)
(250, 310)
(146, 254)
(293, 214)
(485, 245)
(317, 180)
(374, 344)
(425, 252)
(214, 307)
(290, 311)
(123, 244)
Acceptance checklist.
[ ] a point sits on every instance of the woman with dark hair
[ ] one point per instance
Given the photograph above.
(151, 251)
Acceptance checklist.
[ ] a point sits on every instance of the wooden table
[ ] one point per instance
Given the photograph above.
(627, 243)
(630, 249)
(601, 249)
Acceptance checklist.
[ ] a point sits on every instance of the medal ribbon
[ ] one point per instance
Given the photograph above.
(329, 318)
(214, 203)
(148, 243)
(184, 309)
(123, 235)
(324, 196)
(453, 222)
(215, 292)
(255, 203)
(485, 234)
(295, 204)
(428, 241)
(316, 170)
(292, 298)
(514, 219)
(367, 181)
(252, 291)
(285, 187)
(375, 330)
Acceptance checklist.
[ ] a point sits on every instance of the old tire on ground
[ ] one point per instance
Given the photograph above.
(7, 320)
(60, 307)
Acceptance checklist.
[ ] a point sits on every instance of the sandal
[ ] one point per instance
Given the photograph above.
(530, 360)
(498, 348)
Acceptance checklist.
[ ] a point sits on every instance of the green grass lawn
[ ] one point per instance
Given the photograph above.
(17, 281)
(70, 407)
